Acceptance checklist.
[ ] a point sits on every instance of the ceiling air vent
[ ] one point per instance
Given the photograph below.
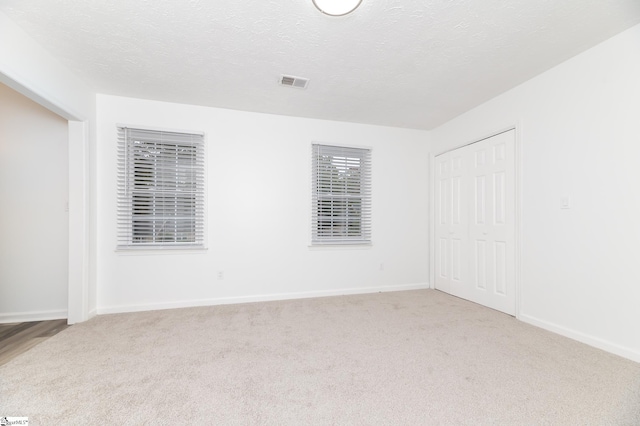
(291, 81)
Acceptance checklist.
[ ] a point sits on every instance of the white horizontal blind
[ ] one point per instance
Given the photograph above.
(341, 195)
(160, 189)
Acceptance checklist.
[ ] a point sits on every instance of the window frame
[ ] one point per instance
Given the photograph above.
(176, 194)
(345, 200)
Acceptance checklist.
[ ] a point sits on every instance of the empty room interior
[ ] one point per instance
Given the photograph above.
(320, 212)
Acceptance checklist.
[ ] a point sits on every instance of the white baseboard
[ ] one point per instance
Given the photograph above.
(584, 338)
(32, 316)
(257, 298)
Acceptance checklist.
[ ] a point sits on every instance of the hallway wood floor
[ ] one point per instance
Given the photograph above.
(17, 338)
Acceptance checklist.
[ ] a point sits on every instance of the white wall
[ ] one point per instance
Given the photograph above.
(259, 169)
(29, 69)
(578, 129)
(33, 221)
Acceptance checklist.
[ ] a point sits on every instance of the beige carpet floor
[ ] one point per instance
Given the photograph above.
(404, 358)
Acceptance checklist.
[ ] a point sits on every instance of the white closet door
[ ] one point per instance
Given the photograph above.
(492, 222)
(442, 220)
(475, 222)
(451, 223)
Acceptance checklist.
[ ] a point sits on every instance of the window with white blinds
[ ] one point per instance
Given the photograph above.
(160, 189)
(341, 195)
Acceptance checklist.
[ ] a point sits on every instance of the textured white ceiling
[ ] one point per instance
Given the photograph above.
(403, 63)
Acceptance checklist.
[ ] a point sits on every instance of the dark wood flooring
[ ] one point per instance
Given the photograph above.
(17, 338)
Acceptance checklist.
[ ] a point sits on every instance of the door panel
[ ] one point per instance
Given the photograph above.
(442, 260)
(480, 200)
(500, 258)
(456, 260)
(481, 264)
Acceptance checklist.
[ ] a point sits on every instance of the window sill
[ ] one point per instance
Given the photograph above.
(146, 251)
(358, 246)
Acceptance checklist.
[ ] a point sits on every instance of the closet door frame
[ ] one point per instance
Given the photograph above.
(517, 128)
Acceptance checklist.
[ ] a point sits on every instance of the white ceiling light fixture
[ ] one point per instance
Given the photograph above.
(336, 7)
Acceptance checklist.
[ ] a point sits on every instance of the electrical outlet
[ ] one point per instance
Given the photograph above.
(382, 266)
(220, 275)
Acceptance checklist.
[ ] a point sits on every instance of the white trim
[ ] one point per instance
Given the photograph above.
(79, 222)
(257, 298)
(432, 221)
(583, 338)
(519, 184)
(32, 316)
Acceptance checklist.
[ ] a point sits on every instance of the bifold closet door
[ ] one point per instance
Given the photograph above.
(451, 222)
(475, 222)
(492, 222)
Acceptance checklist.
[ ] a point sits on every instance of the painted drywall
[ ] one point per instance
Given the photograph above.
(258, 212)
(33, 218)
(578, 134)
(29, 69)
